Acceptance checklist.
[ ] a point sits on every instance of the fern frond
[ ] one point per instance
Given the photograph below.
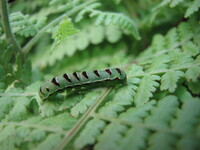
(36, 135)
(25, 26)
(71, 101)
(107, 18)
(55, 2)
(183, 94)
(189, 6)
(160, 116)
(139, 113)
(184, 31)
(192, 7)
(49, 109)
(69, 5)
(172, 38)
(15, 106)
(158, 43)
(188, 142)
(123, 97)
(175, 2)
(169, 80)
(179, 59)
(192, 73)
(65, 30)
(50, 142)
(190, 48)
(160, 5)
(159, 62)
(6, 105)
(134, 139)
(79, 42)
(146, 87)
(20, 109)
(58, 122)
(90, 7)
(194, 87)
(95, 124)
(105, 142)
(161, 139)
(7, 134)
(126, 24)
(188, 115)
(87, 101)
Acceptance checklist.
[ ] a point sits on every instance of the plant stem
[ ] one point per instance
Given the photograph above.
(29, 45)
(6, 26)
(82, 120)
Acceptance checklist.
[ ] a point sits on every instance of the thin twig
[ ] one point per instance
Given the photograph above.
(7, 28)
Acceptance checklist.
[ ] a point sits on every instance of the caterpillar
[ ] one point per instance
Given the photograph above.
(77, 79)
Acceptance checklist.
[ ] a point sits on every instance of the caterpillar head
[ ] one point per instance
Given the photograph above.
(43, 92)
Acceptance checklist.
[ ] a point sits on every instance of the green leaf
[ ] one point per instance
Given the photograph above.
(125, 23)
(175, 2)
(194, 87)
(24, 25)
(123, 97)
(169, 80)
(49, 109)
(89, 134)
(49, 143)
(137, 114)
(162, 139)
(162, 114)
(131, 141)
(193, 7)
(192, 73)
(158, 43)
(20, 109)
(83, 105)
(107, 142)
(65, 30)
(146, 87)
(188, 115)
(6, 104)
(191, 49)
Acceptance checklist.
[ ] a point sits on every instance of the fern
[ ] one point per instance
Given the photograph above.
(104, 140)
(163, 140)
(190, 6)
(117, 104)
(126, 24)
(160, 117)
(82, 106)
(146, 88)
(81, 141)
(65, 30)
(25, 26)
(169, 80)
(91, 35)
(134, 142)
(189, 119)
(157, 108)
(137, 114)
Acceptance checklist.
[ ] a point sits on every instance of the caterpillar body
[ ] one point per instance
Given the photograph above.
(77, 79)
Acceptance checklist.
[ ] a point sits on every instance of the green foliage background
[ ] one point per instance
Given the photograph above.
(157, 43)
